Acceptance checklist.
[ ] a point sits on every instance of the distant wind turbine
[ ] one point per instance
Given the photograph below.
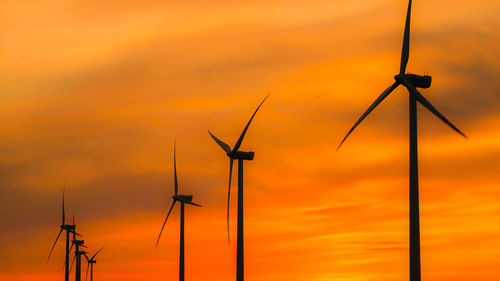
(182, 199)
(241, 156)
(69, 228)
(90, 263)
(411, 82)
(78, 255)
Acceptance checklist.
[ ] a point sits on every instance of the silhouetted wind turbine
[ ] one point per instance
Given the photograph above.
(241, 156)
(183, 199)
(411, 82)
(69, 228)
(78, 255)
(91, 262)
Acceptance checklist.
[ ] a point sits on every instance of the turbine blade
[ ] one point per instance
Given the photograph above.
(240, 140)
(222, 144)
(96, 253)
(192, 203)
(231, 160)
(57, 238)
(374, 104)
(423, 101)
(405, 53)
(63, 212)
(71, 267)
(176, 184)
(87, 272)
(171, 207)
(86, 257)
(63, 266)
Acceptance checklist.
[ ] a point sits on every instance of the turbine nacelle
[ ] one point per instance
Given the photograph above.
(79, 242)
(416, 80)
(243, 155)
(68, 227)
(183, 198)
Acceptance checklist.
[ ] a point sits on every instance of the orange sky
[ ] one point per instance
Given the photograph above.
(94, 92)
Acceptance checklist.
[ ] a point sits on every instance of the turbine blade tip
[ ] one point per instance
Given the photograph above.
(341, 143)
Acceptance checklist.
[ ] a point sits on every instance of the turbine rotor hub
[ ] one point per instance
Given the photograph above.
(399, 77)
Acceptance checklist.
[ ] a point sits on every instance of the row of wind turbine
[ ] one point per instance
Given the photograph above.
(78, 244)
(410, 81)
(233, 154)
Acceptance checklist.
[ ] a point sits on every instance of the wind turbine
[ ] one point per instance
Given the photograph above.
(240, 156)
(91, 262)
(411, 82)
(78, 255)
(182, 199)
(69, 228)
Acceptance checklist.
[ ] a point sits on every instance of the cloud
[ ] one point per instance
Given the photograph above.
(95, 96)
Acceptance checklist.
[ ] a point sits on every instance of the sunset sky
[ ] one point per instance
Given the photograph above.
(94, 93)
